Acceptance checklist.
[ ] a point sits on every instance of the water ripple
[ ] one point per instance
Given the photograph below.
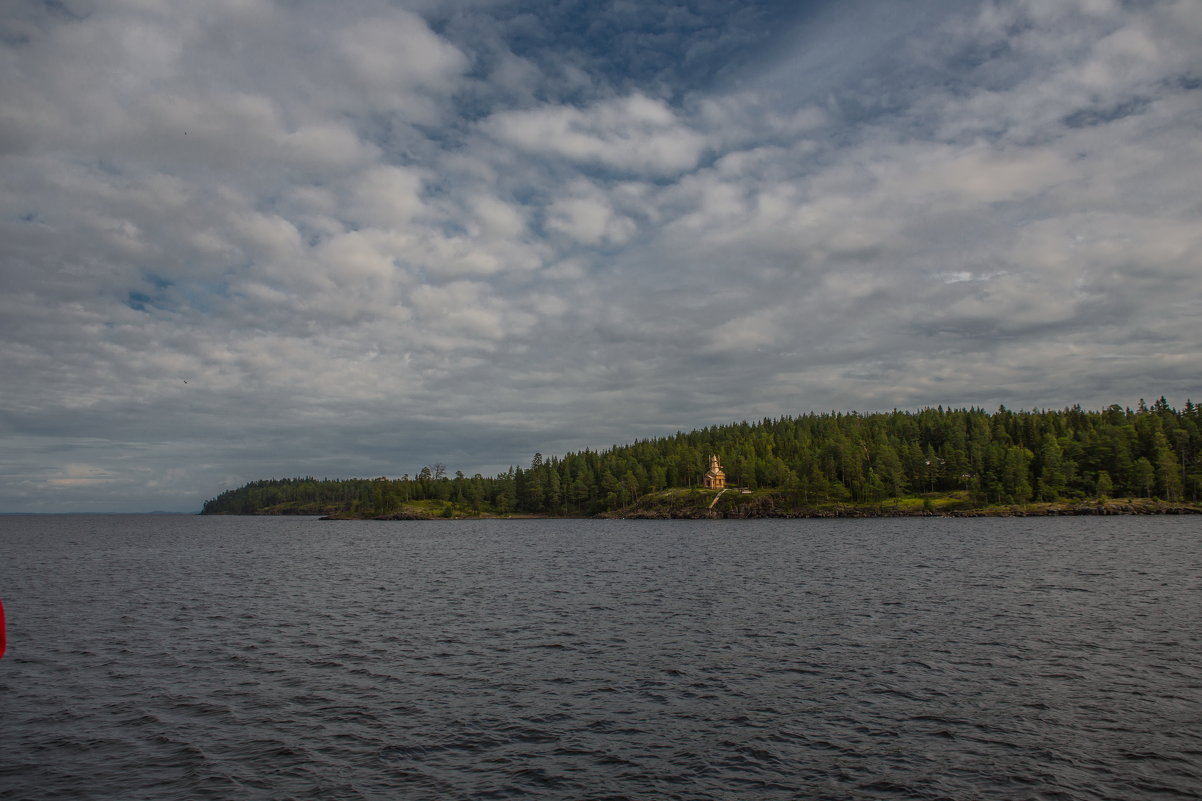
(241, 658)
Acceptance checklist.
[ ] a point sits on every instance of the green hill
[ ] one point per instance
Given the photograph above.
(938, 460)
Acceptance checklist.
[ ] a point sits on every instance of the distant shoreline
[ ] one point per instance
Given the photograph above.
(950, 462)
(1107, 508)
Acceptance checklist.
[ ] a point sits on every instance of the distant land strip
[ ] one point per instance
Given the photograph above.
(949, 462)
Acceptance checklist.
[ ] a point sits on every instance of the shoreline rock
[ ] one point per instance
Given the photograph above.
(767, 508)
(774, 506)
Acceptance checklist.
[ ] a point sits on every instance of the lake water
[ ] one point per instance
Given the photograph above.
(171, 657)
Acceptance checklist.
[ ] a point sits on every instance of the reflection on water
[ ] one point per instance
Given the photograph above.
(182, 657)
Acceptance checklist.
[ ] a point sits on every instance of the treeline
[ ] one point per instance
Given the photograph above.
(993, 458)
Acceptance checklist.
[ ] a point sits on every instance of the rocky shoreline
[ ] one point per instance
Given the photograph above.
(771, 507)
(769, 510)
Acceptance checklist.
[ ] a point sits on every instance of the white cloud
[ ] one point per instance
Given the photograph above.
(978, 174)
(399, 50)
(369, 257)
(496, 218)
(586, 215)
(634, 133)
(463, 314)
(386, 197)
(395, 58)
(747, 333)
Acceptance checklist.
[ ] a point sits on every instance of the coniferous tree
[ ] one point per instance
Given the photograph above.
(1003, 457)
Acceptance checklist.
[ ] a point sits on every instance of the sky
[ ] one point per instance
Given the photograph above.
(246, 239)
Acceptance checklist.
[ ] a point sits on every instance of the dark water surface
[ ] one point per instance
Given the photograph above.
(237, 658)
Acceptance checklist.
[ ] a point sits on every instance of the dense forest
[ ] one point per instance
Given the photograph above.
(1003, 457)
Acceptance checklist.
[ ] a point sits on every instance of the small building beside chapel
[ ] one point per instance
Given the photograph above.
(714, 478)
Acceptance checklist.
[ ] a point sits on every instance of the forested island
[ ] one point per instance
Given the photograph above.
(934, 461)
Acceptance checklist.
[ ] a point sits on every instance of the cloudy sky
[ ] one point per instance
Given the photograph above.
(245, 239)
